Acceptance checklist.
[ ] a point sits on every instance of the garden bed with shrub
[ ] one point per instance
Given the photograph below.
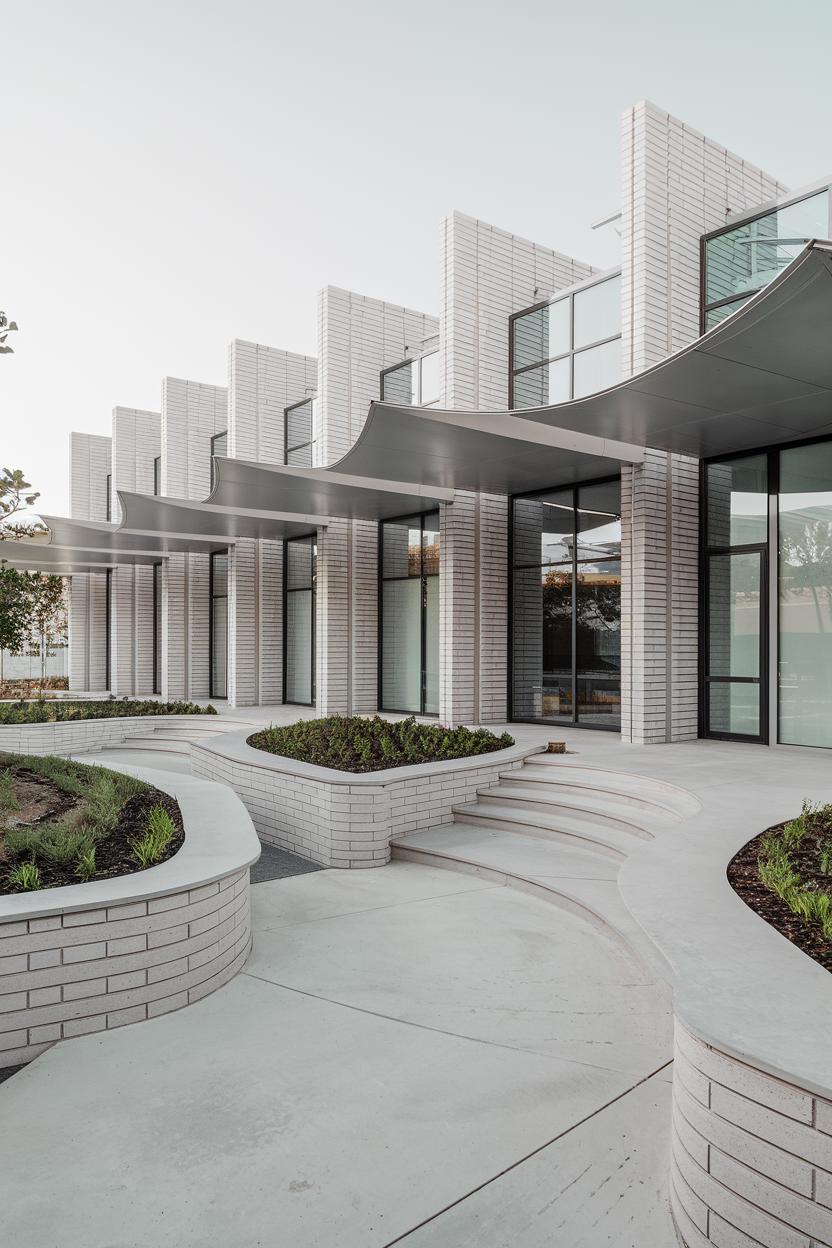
(33, 686)
(353, 743)
(785, 875)
(63, 822)
(43, 711)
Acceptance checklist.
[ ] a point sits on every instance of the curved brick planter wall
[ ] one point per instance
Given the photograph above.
(338, 818)
(88, 734)
(751, 1154)
(94, 956)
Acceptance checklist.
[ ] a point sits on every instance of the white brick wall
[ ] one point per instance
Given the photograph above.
(90, 460)
(486, 275)
(262, 382)
(82, 971)
(751, 1154)
(349, 821)
(192, 413)
(676, 185)
(136, 442)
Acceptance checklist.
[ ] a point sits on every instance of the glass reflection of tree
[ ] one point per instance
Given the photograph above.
(598, 607)
(806, 549)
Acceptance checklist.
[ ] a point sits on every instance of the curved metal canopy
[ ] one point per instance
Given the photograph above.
(34, 556)
(762, 376)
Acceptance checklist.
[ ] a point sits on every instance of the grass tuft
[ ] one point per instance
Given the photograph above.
(160, 830)
(25, 877)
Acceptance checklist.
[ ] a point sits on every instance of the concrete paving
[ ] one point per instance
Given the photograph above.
(411, 1055)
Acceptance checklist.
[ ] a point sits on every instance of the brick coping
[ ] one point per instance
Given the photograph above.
(219, 840)
(234, 747)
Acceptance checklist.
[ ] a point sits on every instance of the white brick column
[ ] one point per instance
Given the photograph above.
(364, 617)
(174, 632)
(659, 599)
(87, 632)
(332, 620)
(457, 614)
(243, 624)
(270, 591)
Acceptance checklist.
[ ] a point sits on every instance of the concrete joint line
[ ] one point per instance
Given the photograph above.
(528, 1156)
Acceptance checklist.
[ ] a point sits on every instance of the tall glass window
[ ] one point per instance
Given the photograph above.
(805, 595)
(566, 606)
(299, 433)
(157, 628)
(218, 640)
(734, 606)
(299, 573)
(409, 615)
(743, 259)
(108, 624)
(568, 348)
(157, 476)
(219, 446)
(414, 383)
(109, 499)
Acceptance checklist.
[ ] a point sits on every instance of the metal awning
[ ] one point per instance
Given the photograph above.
(106, 538)
(327, 491)
(37, 556)
(195, 522)
(762, 376)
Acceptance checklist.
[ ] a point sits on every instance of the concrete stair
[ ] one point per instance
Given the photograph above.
(560, 831)
(177, 738)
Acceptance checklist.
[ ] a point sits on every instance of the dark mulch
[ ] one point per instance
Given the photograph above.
(113, 853)
(744, 877)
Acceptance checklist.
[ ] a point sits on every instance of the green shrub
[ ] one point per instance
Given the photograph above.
(60, 711)
(161, 829)
(8, 801)
(25, 877)
(353, 743)
(825, 856)
(85, 867)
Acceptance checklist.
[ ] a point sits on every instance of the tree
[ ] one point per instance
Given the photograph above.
(46, 614)
(16, 494)
(14, 612)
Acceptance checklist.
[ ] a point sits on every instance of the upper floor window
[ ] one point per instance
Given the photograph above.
(219, 446)
(157, 475)
(568, 348)
(413, 383)
(299, 434)
(109, 500)
(744, 258)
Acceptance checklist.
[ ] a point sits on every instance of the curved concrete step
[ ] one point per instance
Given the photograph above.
(545, 769)
(506, 858)
(592, 804)
(599, 837)
(154, 742)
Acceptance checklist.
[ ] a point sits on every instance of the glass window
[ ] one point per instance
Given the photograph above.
(109, 496)
(157, 628)
(299, 568)
(805, 595)
(751, 255)
(409, 614)
(734, 708)
(597, 368)
(429, 370)
(597, 312)
(157, 475)
(399, 384)
(737, 507)
(714, 316)
(299, 433)
(566, 606)
(537, 387)
(219, 446)
(734, 614)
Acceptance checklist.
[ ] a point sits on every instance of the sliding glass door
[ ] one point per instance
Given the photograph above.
(299, 572)
(409, 615)
(566, 606)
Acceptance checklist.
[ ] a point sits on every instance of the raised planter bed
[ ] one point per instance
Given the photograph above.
(89, 957)
(345, 819)
(79, 736)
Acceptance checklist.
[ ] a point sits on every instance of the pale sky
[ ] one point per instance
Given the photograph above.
(178, 173)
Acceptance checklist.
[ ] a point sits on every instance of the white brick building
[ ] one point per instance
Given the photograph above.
(595, 596)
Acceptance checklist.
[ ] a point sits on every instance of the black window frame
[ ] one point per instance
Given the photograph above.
(216, 437)
(311, 539)
(574, 563)
(157, 632)
(108, 502)
(108, 623)
(416, 361)
(226, 550)
(571, 353)
(287, 449)
(742, 296)
(157, 476)
(421, 516)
